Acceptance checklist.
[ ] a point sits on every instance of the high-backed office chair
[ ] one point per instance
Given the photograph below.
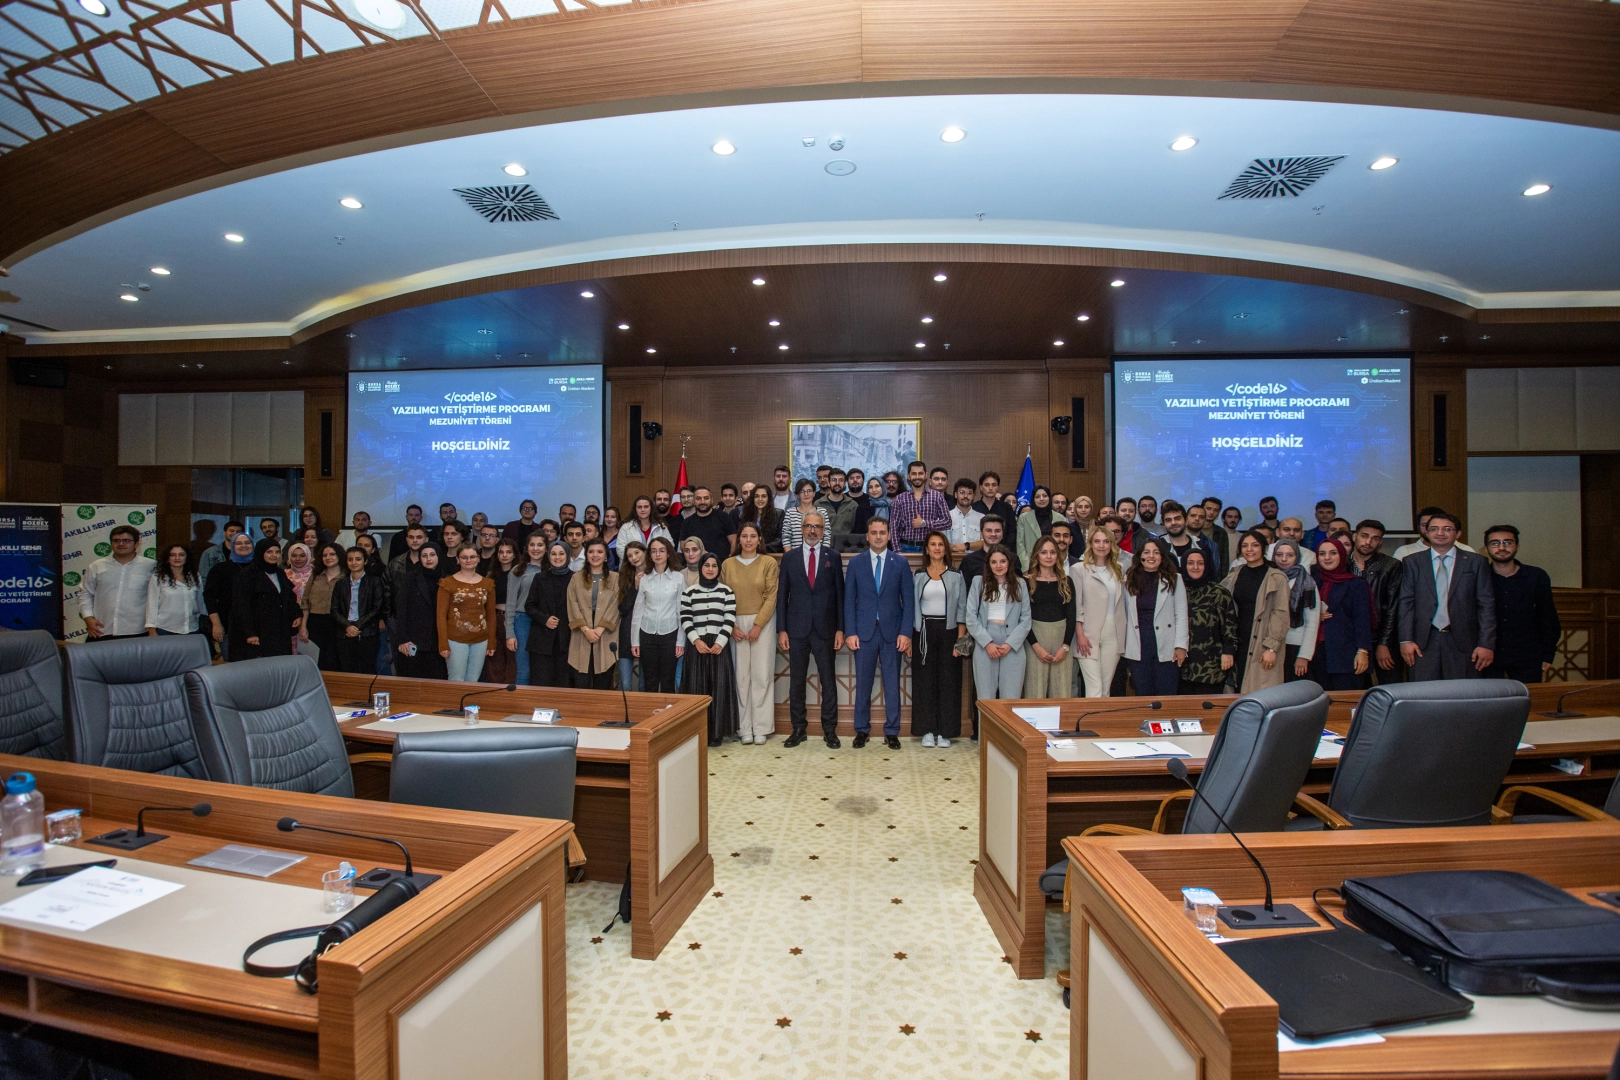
(847, 542)
(31, 720)
(127, 703)
(268, 723)
(518, 770)
(1505, 812)
(1423, 754)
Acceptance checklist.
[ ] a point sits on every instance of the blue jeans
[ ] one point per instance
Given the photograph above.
(385, 655)
(629, 673)
(520, 628)
(466, 661)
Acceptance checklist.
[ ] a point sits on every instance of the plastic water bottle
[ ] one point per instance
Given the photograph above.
(22, 826)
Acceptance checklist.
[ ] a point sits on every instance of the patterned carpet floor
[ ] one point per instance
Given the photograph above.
(841, 939)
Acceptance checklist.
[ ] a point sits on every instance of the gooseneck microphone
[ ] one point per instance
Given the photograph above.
(134, 839)
(1560, 714)
(613, 647)
(371, 879)
(457, 711)
(1243, 917)
(1154, 705)
(366, 704)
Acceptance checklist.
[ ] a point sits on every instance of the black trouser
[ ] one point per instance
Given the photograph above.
(800, 652)
(550, 670)
(658, 662)
(593, 679)
(357, 655)
(1290, 655)
(1526, 671)
(323, 631)
(936, 682)
(426, 664)
(1189, 687)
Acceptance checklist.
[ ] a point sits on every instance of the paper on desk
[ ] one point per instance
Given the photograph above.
(1356, 1038)
(349, 714)
(1044, 717)
(1527, 746)
(87, 899)
(1327, 749)
(1139, 749)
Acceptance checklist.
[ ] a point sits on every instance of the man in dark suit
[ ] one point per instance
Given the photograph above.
(1446, 614)
(810, 623)
(879, 611)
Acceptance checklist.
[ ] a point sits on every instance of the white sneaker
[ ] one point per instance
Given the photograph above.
(942, 742)
(759, 740)
(928, 739)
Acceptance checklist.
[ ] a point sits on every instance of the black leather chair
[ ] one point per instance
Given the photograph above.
(127, 703)
(1255, 767)
(268, 723)
(1423, 754)
(31, 719)
(508, 770)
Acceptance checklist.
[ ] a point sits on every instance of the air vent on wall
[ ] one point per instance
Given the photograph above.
(1279, 178)
(511, 202)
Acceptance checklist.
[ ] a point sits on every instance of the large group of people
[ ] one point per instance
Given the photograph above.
(693, 593)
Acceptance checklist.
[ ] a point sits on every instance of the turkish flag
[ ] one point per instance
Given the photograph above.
(680, 482)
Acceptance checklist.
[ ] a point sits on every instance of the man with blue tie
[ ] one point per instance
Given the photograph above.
(1446, 613)
(809, 623)
(879, 607)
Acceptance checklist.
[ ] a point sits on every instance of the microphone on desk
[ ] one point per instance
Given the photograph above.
(1276, 915)
(1560, 714)
(1122, 708)
(613, 647)
(457, 711)
(371, 879)
(366, 704)
(137, 838)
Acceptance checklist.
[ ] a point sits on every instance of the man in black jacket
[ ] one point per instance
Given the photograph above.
(810, 625)
(1527, 626)
(1383, 576)
(992, 531)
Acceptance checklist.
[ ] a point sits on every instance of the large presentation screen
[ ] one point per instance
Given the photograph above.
(1302, 430)
(482, 438)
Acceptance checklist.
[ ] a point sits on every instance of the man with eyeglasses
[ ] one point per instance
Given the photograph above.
(1527, 627)
(112, 600)
(810, 625)
(1447, 608)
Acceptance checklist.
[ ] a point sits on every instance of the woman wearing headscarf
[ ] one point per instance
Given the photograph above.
(1260, 591)
(264, 611)
(547, 607)
(1304, 612)
(1037, 523)
(1212, 628)
(1344, 635)
(1080, 514)
(416, 623)
(219, 591)
(708, 617)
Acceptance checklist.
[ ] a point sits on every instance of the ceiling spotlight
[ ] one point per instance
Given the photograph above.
(1186, 142)
(482, 331)
(940, 276)
(587, 294)
(1082, 318)
(651, 351)
(131, 297)
(94, 7)
(624, 326)
(952, 134)
(161, 271)
(514, 169)
(782, 347)
(1538, 189)
(927, 318)
(776, 322)
(724, 148)
(235, 238)
(1383, 163)
(1058, 343)
(1117, 282)
(808, 140)
(351, 202)
(759, 281)
(922, 344)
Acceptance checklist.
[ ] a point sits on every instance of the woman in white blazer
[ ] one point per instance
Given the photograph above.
(1100, 619)
(998, 618)
(1155, 620)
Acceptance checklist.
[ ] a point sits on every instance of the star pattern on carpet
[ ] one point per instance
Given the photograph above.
(664, 1014)
(1033, 1036)
(891, 826)
(795, 951)
(899, 956)
(907, 1029)
(736, 854)
(806, 896)
(717, 893)
(597, 940)
(962, 827)
(695, 945)
(1006, 959)
(894, 858)
(896, 900)
(813, 858)
(783, 1022)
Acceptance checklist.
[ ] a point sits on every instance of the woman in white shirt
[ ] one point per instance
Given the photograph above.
(640, 528)
(174, 602)
(936, 669)
(1099, 590)
(1304, 610)
(655, 622)
(998, 618)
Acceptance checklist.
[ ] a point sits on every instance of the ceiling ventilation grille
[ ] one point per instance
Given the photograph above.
(1279, 178)
(511, 202)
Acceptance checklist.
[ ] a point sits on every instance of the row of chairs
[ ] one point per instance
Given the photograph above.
(159, 705)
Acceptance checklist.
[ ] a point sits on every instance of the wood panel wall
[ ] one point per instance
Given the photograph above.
(1600, 498)
(1433, 485)
(325, 494)
(1067, 380)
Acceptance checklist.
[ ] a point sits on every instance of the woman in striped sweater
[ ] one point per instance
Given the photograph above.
(708, 617)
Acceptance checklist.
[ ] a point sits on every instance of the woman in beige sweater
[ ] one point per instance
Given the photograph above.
(751, 574)
(593, 616)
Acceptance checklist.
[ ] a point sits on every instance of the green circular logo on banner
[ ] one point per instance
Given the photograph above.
(150, 553)
(137, 518)
(104, 548)
(70, 579)
(87, 512)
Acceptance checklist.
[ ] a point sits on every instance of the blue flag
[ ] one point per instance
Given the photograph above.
(1026, 484)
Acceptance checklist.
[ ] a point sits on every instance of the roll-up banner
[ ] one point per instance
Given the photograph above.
(31, 567)
(84, 540)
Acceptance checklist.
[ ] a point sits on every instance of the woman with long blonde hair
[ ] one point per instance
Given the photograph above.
(1099, 591)
(1050, 674)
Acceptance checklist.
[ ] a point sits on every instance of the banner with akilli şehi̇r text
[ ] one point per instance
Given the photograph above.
(84, 540)
(31, 567)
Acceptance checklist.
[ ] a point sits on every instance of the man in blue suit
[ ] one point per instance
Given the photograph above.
(879, 608)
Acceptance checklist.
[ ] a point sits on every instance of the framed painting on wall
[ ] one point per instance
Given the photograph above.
(874, 446)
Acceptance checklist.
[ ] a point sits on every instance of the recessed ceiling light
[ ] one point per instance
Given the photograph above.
(776, 322)
(939, 277)
(94, 7)
(1058, 343)
(1117, 282)
(927, 318)
(1186, 142)
(161, 271)
(1383, 163)
(782, 347)
(235, 238)
(587, 294)
(624, 326)
(922, 344)
(952, 134)
(482, 331)
(131, 297)
(652, 350)
(808, 140)
(1538, 189)
(759, 281)
(514, 169)
(351, 202)
(724, 148)
(1082, 318)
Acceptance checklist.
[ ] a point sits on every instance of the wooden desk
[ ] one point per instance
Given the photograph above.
(482, 946)
(1152, 991)
(645, 806)
(1031, 798)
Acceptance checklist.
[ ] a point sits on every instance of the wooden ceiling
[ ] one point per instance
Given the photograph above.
(1516, 56)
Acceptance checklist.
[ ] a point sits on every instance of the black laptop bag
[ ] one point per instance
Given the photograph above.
(1493, 932)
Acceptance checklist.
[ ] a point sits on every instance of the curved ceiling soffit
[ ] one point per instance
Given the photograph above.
(1455, 55)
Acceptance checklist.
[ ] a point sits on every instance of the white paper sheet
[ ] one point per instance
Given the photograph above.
(1358, 1038)
(87, 899)
(349, 714)
(1326, 748)
(1139, 749)
(1044, 717)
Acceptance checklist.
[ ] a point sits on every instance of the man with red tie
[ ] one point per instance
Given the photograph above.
(809, 620)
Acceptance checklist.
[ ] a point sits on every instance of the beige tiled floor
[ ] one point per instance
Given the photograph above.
(842, 939)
